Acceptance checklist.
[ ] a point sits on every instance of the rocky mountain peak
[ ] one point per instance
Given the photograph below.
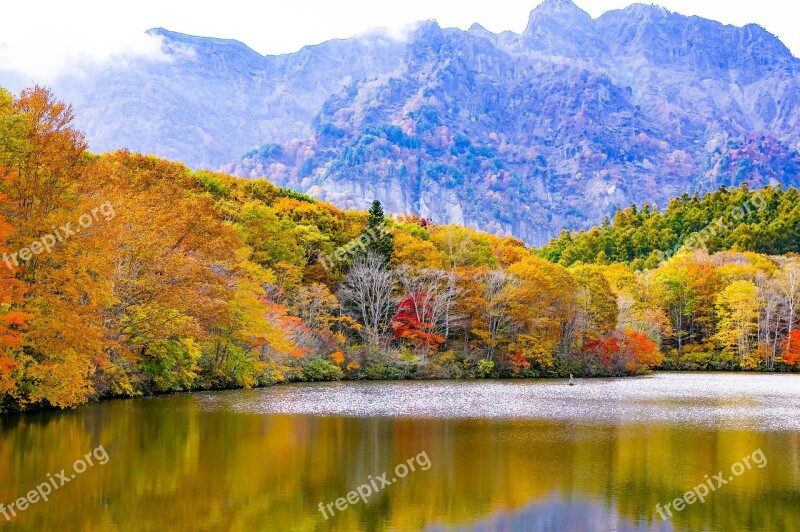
(560, 27)
(559, 11)
(426, 41)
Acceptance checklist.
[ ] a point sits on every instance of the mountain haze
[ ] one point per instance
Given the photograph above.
(206, 101)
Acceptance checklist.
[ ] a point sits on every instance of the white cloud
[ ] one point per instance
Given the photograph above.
(395, 33)
(45, 60)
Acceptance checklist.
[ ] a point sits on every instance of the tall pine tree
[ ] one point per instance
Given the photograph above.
(377, 236)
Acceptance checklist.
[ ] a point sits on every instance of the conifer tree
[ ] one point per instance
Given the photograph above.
(376, 235)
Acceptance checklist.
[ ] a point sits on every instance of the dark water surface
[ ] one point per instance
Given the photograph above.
(486, 455)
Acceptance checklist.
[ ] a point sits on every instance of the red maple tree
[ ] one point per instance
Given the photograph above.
(792, 354)
(407, 323)
(628, 348)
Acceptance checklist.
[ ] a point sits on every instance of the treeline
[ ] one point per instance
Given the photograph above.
(125, 275)
(765, 221)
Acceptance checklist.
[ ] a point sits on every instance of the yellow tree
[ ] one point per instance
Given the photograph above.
(414, 251)
(171, 285)
(597, 305)
(463, 247)
(482, 308)
(248, 346)
(737, 311)
(322, 318)
(59, 247)
(542, 306)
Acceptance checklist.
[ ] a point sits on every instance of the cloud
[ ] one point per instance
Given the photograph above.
(45, 61)
(401, 33)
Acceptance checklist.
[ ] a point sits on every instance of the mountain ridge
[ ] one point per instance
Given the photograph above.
(569, 134)
(519, 134)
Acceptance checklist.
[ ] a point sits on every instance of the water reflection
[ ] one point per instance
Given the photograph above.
(557, 515)
(213, 461)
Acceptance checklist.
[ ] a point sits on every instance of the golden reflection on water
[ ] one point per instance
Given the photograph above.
(177, 465)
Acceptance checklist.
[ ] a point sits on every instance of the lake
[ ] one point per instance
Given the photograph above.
(433, 455)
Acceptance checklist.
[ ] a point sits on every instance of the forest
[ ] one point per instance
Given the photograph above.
(125, 275)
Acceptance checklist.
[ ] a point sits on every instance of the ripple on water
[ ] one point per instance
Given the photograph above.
(743, 401)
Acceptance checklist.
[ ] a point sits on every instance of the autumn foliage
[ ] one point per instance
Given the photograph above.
(198, 280)
(792, 354)
(624, 352)
(408, 323)
(12, 320)
(160, 296)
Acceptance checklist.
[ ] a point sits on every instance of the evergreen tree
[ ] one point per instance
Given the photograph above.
(376, 234)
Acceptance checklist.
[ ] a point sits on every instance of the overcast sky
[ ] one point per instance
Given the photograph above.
(41, 37)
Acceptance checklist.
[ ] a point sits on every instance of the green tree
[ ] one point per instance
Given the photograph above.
(376, 235)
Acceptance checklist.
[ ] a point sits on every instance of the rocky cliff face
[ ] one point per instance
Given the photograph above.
(554, 128)
(522, 134)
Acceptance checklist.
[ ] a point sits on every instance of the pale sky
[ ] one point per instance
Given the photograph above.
(42, 37)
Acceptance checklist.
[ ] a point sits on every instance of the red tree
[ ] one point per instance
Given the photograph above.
(624, 349)
(792, 354)
(408, 325)
(12, 322)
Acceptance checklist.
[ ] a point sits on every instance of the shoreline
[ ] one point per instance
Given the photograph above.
(91, 402)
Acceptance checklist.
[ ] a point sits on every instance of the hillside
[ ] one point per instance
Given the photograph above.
(762, 221)
(125, 275)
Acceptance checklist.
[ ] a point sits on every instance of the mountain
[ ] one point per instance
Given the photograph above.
(517, 134)
(556, 127)
(207, 101)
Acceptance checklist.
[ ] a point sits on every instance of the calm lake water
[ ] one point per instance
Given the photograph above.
(500, 455)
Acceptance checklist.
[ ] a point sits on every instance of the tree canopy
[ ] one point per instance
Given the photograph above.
(125, 275)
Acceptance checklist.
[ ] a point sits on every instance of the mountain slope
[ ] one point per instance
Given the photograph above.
(206, 101)
(557, 127)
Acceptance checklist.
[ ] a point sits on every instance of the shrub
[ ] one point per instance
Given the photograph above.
(318, 369)
(384, 371)
(485, 368)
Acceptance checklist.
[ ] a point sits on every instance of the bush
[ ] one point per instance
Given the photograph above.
(318, 369)
(485, 368)
(381, 371)
(445, 365)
